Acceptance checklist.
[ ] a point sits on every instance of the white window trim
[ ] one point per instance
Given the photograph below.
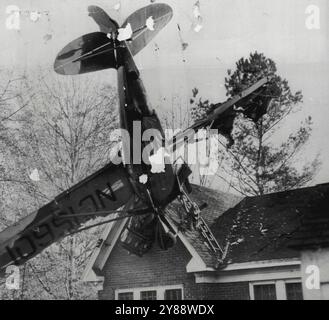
(159, 289)
(280, 287)
(263, 264)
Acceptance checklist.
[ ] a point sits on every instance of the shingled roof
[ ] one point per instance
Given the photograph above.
(314, 230)
(263, 227)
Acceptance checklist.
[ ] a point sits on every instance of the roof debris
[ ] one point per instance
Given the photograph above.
(184, 46)
(262, 230)
(237, 242)
(196, 10)
(47, 37)
(183, 43)
(198, 25)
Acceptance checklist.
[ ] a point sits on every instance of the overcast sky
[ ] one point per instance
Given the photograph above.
(231, 29)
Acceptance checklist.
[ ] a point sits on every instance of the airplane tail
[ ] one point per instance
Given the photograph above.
(97, 51)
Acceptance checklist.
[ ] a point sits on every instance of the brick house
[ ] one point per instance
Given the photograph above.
(264, 252)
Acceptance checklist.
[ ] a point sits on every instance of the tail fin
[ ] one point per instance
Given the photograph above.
(91, 52)
(105, 23)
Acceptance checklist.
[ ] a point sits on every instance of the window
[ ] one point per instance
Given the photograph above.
(294, 291)
(171, 292)
(148, 295)
(276, 290)
(175, 294)
(265, 292)
(126, 296)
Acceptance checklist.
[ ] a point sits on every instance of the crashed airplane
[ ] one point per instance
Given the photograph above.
(126, 190)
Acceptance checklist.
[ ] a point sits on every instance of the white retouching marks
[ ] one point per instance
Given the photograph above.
(143, 179)
(117, 6)
(125, 33)
(34, 176)
(198, 27)
(150, 23)
(157, 161)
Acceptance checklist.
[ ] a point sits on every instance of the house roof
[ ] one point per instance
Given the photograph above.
(261, 228)
(314, 230)
(267, 227)
(264, 227)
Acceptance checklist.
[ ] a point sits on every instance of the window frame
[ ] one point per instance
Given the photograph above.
(264, 284)
(147, 292)
(124, 292)
(160, 291)
(170, 289)
(280, 287)
(293, 281)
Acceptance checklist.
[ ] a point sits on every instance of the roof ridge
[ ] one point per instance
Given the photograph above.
(288, 191)
(217, 191)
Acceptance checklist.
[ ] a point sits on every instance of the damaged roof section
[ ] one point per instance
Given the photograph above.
(217, 203)
(263, 227)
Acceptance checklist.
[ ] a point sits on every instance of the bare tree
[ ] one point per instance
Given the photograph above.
(59, 139)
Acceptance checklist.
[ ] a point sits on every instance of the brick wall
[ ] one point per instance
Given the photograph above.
(225, 291)
(162, 268)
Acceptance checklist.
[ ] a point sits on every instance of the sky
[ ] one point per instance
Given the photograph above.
(231, 30)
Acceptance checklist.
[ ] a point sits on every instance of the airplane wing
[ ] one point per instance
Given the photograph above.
(250, 102)
(106, 190)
